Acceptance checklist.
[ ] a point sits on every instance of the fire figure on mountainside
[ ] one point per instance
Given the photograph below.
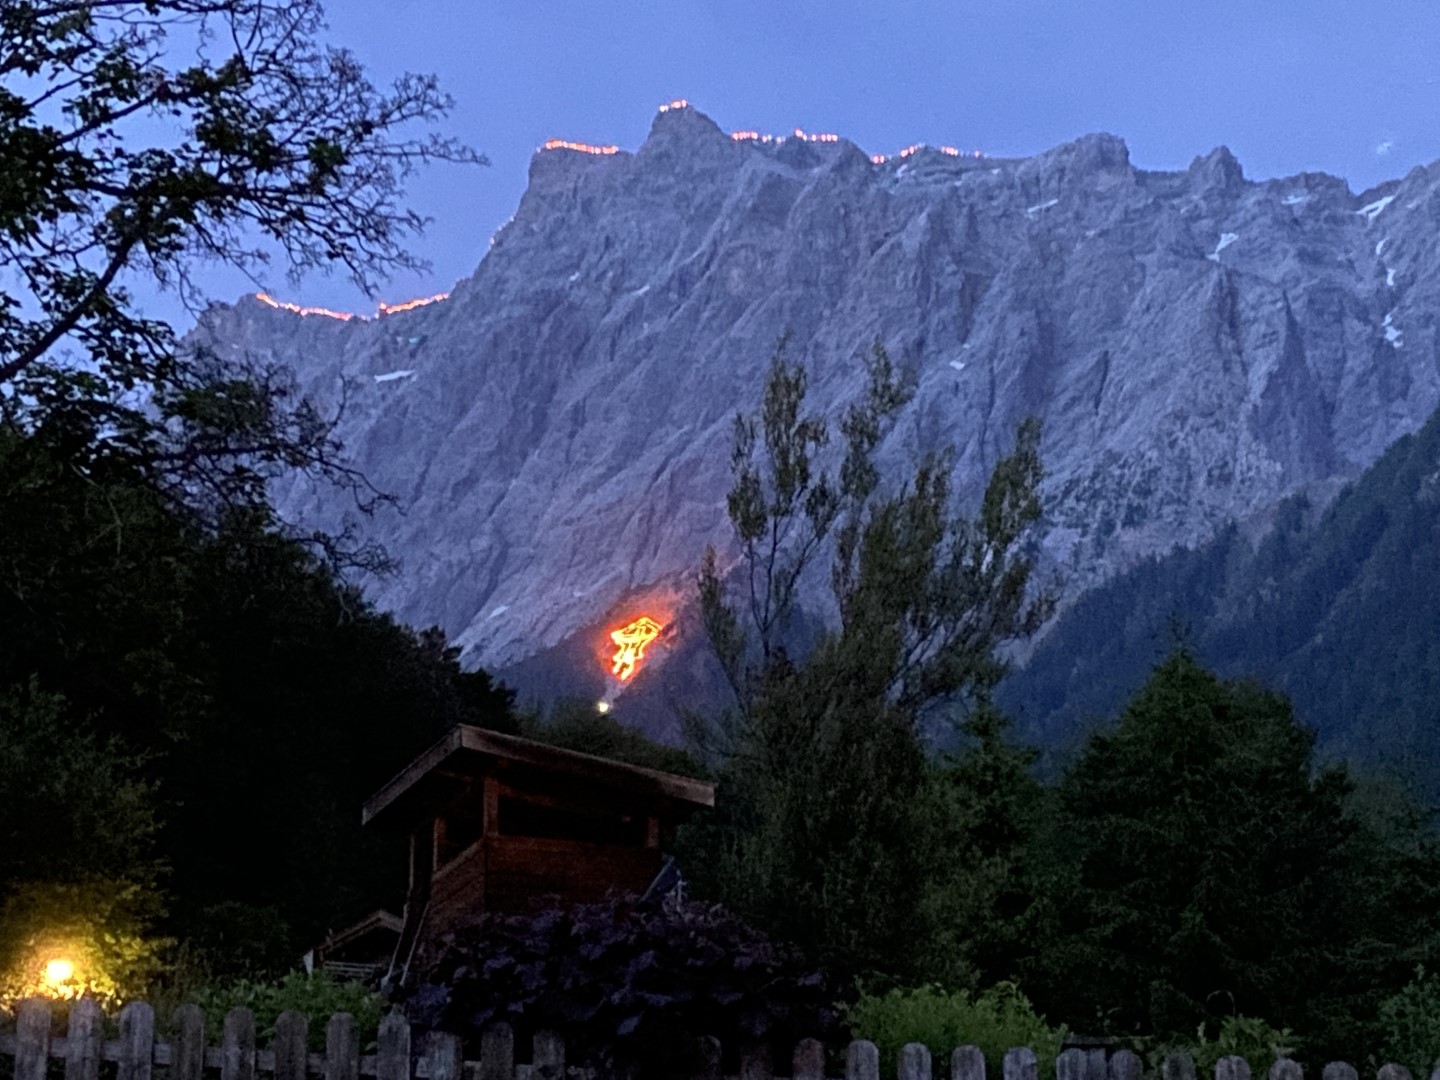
(630, 642)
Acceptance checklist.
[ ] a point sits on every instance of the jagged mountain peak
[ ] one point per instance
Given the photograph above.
(1218, 169)
(679, 120)
(1097, 152)
(1197, 345)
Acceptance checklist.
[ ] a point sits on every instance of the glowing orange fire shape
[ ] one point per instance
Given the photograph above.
(630, 642)
(579, 147)
(758, 137)
(411, 305)
(346, 316)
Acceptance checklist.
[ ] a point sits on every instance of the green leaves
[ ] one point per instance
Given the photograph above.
(1217, 871)
(831, 817)
(326, 158)
(784, 506)
(1409, 1021)
(79, 861)
(995, 1021)
(317, 996)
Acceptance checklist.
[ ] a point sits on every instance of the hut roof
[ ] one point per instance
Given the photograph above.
(467, 753)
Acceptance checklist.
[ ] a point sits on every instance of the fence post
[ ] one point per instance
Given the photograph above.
(497, 1053)
(1339, 1070)
(237, 1051)
(707, 1058)
(808, 1062)
(862, 1061)
(755, 1062)
(547, 1056)
(342, 1048)
(392, 1054)
(967, 1063)
(445, 1056)
(1124, 1065)
(1233, 1067)
(84, 1037)
(1178, 1066)
(914, 1062)
(137, 1042)
(187, 1055)
(1095, 1063)
(32, 1039)
(1286, 1069)
(292, 1032)
(1392, 1071)
(1020, 1064)
(1071, 1064)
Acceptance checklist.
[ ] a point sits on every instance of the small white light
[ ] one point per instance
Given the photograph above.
(602, 707)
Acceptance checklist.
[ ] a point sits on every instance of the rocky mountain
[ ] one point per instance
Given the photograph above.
(1336, 606)
(1198, 345)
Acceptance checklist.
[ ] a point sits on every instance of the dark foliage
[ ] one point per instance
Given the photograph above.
(1335, 607)
(573, 724)
(144, 137)
(258, 698)
(630, 985)
(830, 820)
(1203, 868)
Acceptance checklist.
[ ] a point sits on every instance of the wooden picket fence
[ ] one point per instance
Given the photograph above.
(34, 1054)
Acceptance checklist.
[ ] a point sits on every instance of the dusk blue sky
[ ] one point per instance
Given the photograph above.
(1347, 88)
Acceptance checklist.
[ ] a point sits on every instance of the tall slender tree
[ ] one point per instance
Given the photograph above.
(830, 810)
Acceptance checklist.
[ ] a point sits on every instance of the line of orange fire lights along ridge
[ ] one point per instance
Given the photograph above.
(753, 136)
(345, 316)
(605, 151)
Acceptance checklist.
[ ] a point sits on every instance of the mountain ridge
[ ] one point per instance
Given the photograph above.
(557, 429)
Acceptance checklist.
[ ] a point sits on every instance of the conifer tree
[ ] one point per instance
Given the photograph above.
(1203, 866)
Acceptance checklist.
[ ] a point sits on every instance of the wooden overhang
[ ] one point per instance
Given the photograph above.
(376, 920)
(467, 753)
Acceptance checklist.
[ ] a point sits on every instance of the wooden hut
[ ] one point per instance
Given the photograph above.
(498, 823)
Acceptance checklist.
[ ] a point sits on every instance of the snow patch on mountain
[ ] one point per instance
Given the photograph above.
(1226, 239)
(1370, 211)
(1392, 335)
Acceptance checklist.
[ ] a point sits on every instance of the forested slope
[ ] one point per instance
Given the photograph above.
(1338, 607)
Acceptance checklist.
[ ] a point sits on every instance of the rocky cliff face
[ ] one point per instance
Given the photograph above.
(1197, 345)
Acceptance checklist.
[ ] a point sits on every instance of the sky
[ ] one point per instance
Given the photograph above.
(1289, 86)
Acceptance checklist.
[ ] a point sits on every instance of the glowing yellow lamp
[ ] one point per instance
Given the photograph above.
(58, 972)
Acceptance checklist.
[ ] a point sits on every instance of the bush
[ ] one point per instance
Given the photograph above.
(1410, 1024)
(317, 996)
(1240, 1036)
(100, 927)
(631, 986)
(996, 1021)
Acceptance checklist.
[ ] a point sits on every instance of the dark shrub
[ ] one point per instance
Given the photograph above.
(630, 986)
